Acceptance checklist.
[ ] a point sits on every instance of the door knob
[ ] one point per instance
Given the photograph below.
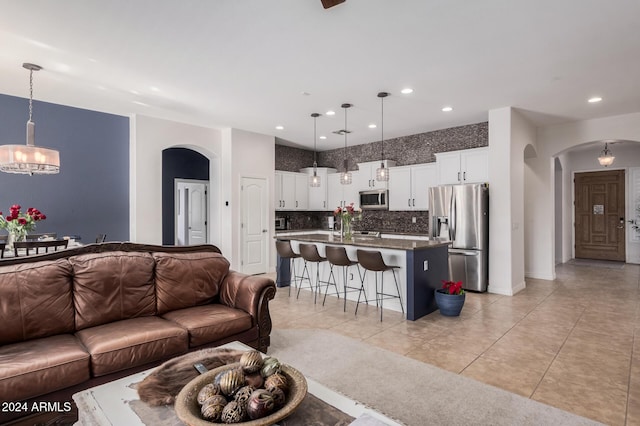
(264, 230)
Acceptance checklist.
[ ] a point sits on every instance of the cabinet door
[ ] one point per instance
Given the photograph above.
(422, 178)
(288, 191)
(474, 164)
(302, 191)
(400, 188)
(362, 179)
(448, 164)
(334, 191)
(318, 194)
(277, 191)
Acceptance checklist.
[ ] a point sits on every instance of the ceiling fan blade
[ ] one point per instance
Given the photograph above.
(330, 3)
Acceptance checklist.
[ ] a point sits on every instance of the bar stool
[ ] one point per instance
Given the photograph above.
(286, 252)
(337, 256)
(372, 261)
(309, 253)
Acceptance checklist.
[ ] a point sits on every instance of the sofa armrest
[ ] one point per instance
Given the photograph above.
(251, 294)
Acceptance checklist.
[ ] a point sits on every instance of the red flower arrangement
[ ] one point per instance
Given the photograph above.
(452, 287)
(19, 223)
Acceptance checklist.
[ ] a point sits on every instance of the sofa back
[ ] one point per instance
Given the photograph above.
(112, 286)
(187, 279)
(68, 290)
(35, 300)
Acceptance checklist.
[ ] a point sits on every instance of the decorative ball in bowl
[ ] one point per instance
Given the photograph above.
(235, 394)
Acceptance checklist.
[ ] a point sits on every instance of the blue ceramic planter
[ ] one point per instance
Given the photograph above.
(449, 304)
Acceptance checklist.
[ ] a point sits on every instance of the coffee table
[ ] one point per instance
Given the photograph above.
(117, 403)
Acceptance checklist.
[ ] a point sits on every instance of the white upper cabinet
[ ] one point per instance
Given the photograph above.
(318, 195)
(334, 191)
(409, 186)
(367, 175)
(291, 191)
(339, 195)
(302, 191)
(465, 166)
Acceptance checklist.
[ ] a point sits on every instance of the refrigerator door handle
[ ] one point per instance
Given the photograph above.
(464, 252)
(452, 219)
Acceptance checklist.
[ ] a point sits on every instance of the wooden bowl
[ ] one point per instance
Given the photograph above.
(188, 409)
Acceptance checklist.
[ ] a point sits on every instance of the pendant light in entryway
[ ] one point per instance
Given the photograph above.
(346, 177)
(314, 179)
(382, 172)
(606, 157)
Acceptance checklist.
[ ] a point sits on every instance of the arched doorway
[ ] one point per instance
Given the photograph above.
(183, 164)
(581, 160)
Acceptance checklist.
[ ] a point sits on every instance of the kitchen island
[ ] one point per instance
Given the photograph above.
(423, 264)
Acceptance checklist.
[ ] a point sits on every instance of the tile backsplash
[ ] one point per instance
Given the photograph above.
(372, 220)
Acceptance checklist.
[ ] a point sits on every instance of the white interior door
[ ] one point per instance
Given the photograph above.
(191, 212)
(254, 228)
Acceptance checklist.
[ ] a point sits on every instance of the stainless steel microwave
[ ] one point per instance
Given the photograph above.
(377, 199)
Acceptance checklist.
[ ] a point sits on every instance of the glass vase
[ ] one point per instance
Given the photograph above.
(16, 235)
(346, 228)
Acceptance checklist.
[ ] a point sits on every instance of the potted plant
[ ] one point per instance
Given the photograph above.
(450, 298)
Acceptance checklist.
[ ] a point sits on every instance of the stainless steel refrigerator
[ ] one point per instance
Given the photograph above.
(460, 214)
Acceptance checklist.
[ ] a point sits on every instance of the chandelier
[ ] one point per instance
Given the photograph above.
(606, 157)
(29, 159)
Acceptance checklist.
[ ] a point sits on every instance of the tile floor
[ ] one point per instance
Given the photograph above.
(569, 343)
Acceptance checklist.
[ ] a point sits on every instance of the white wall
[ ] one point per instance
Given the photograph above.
(251, 155)
(149, 137)
(551, 141)
(232, 154)
(509, 135)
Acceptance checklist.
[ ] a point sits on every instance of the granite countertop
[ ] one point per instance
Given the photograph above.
(374, 242)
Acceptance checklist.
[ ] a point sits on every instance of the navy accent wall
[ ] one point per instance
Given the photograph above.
(90, 195)
(180, 163)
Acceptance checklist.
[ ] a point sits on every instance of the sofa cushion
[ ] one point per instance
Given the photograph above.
(132, 342)
(210, 323)
(35, 300)
(40, 366)
(184, 280)
(112, 286)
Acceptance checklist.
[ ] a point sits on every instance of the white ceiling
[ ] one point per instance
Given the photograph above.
(246, 63)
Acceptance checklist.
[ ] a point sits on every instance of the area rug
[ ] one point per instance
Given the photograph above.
(608, 264)
(406, 390)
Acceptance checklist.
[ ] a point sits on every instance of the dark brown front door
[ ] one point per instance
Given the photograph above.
(599, 213)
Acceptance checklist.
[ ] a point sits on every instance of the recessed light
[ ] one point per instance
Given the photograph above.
(447, 109)
(330, 112)
(406, 91)
(372, 126)
(323, 137)
(279, 127)
(595, 99)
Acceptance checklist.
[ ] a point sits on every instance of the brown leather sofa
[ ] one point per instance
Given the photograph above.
(75, 318)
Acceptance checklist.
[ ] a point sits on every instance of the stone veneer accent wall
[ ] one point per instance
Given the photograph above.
(413, 149)
(406, 150)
